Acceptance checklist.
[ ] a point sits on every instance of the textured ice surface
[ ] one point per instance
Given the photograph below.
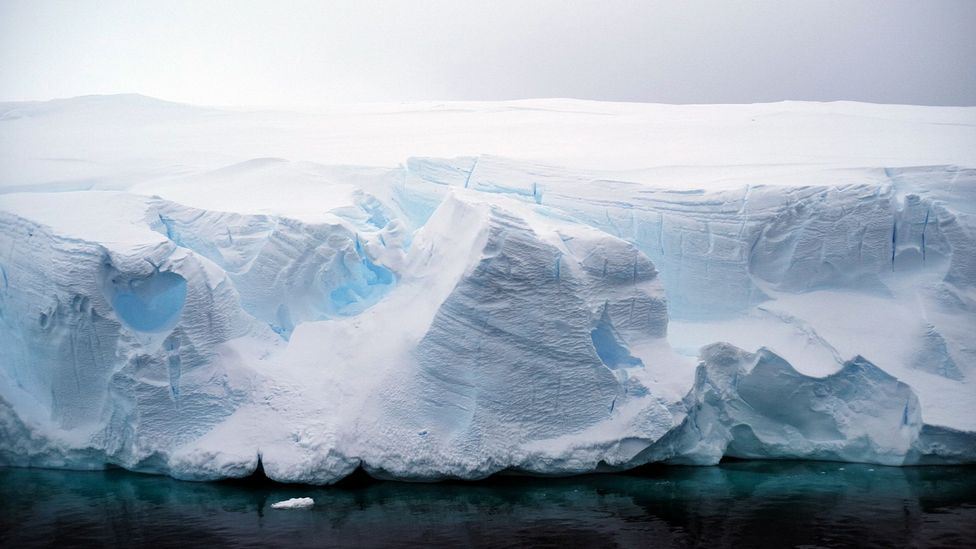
(545, 287)
(748, 405)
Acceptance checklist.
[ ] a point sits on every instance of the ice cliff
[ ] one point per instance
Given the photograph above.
(677, 285)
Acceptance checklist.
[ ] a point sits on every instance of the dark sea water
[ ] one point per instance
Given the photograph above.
(740, 504)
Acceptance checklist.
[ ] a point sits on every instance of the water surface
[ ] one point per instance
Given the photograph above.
(742, 504)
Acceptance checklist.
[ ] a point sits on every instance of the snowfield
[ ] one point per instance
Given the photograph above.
(453, 290)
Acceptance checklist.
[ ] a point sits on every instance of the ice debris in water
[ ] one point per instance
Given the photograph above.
(294, 503)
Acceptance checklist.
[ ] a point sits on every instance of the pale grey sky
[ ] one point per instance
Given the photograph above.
(303, 53)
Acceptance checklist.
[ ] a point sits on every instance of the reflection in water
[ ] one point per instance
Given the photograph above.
(743, 504)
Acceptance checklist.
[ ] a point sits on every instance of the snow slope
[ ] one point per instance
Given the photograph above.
(453, 290)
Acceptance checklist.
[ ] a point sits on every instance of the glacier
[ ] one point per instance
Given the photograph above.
(456, 290)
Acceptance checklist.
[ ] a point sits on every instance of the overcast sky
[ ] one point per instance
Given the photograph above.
(301, 54)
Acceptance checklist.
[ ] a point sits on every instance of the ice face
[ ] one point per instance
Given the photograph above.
(606, 343)
(150, 304)
(749, 405)
(286, 271)
(459, 316)
(509, 360)
(113, 340)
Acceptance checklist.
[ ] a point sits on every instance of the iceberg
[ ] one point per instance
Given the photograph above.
(614, 285)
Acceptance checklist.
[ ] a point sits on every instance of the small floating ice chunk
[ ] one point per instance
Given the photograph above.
(294, 503)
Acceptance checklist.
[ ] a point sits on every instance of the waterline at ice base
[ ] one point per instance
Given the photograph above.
(455, 290)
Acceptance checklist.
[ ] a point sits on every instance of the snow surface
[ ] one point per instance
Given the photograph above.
(453, 290)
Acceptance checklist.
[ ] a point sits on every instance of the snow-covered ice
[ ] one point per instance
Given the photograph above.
(453, 290)
(294, 503)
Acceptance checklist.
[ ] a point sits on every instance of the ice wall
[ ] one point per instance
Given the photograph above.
(535, 342)
(112, 345)
(285, 270)
(466, 314)
(756, 405)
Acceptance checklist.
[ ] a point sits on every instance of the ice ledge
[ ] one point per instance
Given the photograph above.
(757, 406)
